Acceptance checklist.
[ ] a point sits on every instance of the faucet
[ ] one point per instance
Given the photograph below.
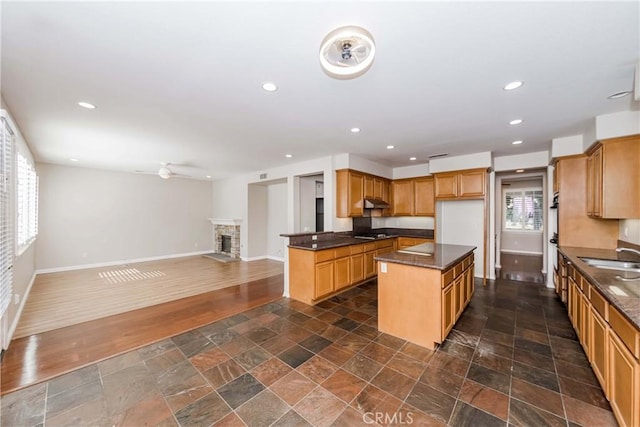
(627, 250)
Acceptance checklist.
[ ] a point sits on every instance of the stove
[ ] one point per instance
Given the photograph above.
(370, 236)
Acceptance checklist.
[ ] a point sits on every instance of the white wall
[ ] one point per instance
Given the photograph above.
(567, 146)
(469, 161)
(413, 222)
(90, 216)
(536, 160)
(617, 124)
(411, 171)
(307, 203)
(256, 224)
(276, 219)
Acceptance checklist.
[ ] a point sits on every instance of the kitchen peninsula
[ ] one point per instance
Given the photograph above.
(423, 290)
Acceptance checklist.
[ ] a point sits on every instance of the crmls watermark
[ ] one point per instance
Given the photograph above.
(384, 418)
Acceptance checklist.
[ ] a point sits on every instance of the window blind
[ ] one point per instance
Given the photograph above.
(27, 202)
(6, 226)
(523, 210)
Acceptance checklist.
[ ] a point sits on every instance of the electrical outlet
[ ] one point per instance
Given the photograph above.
(16, 299)
(314, 237)
(383, 267)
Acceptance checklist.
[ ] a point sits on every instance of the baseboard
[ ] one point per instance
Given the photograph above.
(119, 262)
(257, 258)
(14, 324)
(275, 258)
(509, 251)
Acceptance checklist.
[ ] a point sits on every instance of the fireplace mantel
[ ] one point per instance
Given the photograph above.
(223, 221)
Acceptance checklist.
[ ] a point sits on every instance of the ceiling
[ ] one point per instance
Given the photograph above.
(181, 82)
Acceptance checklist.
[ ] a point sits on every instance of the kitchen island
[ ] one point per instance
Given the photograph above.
(423, 290)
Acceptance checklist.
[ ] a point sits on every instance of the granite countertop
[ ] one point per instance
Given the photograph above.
(335, 243)
(328, 240)
(436, 255)
(625, 296)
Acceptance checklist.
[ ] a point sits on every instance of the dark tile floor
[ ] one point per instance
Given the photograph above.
(512, 358)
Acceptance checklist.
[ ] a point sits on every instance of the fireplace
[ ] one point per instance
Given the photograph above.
(226, 236)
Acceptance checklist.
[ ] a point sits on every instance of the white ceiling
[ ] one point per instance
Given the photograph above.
(181, 82)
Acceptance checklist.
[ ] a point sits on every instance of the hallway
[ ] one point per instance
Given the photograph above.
(521, 268)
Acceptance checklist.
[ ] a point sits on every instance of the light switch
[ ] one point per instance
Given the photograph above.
(383, 267)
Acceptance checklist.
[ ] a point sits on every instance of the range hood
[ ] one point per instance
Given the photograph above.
(375, 204)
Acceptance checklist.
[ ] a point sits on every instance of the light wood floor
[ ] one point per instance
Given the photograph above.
(43, 356)
(58, 300)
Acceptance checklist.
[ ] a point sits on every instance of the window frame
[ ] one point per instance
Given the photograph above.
(522, 191)
(32, 201)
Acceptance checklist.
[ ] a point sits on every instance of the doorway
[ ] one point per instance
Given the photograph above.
(520, 225)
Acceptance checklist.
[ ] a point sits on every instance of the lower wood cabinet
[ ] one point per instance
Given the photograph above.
(356, 265)
(448, 308)
(623, 382)
(342, 273)
(324, 283)
(599, 349)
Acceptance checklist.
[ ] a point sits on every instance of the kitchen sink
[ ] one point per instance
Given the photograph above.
(612, 264)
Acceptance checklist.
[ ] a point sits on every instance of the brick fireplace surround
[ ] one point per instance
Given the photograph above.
(226, 227)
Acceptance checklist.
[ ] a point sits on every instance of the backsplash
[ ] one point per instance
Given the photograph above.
(416, 222)
(630, 231)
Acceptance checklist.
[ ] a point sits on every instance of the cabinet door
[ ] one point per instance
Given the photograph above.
(342, 273)
(369, 264)
(597, 182)
(402, 195)
(357, 268)
(623, 382)
(324, 279)
(356, 194)
(590, 186)
(378, 189)
(471, 183)
(585, 317)
(460, 290)
(448, 309)
(598, 351)
(368, 186)
(424, 197)
(446, 185)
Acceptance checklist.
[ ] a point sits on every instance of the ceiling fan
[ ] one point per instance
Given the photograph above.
(165, 172)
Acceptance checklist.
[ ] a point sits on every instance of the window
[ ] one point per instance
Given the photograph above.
(523, 210)
(6, 228)
(27, 203)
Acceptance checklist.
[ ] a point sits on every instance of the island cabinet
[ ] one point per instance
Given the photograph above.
(315, 275)
(421, 304)
(465, 184)
(612, 346)
(613, 178)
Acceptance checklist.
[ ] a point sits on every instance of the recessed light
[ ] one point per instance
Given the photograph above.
(208, 176)
(412, 158)
(354, 130)
(288, 156)
(269, 86)
(74, 160)
(619, 95)
(87, 105)
(390, 147)
(519, 170)
(515, 122)
(513, 85)
(518, 142)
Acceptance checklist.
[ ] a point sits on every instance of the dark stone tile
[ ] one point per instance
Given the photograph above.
(196, 346)
(237, 345)
(292, 387)
(407, 365)
(203, 412)
(24, 407)
(346, 324)
(390, 341)
(363, 367)
(533, 347)
(486, 346)
(431, 401)
(291, 419)
(223, 373)
(467, 415)
(224, 336)
(320, 407)
(270, 371)
(351, 343)
(489, 378)
(295, 356)
(208, 359)
(315, 325)
(546, 379)
(521, 414)
(378, 352)
(337, 356)
(586, 393)
(182, 385)
(341, 310)
(463, 338)
(587, 415)
(485, 398)
(344, 385)
(417, 352)
(76, 396)
(240, 390)
(567, 333)
(393, 382)
(540, 337)
(89, 413)
(260, 335)
(493, 362)
(534, 395)
(156, 349)
(367, 332)
(333, 333)
(187, 337)
(472, 325)
(164, 361)
(152, 411)
(497, 337)
(533, 359)
(73, 379)
(263, 410)
(277, 344)
(458, 350)
(450, 363)
(298, 318)
(350, 417)
(317, 369)
(442, 380)
(252, 358)
(117, 363)
(576, 373)
(315, 343)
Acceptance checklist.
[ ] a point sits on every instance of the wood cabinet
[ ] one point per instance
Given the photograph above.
(402, 197)
(424, 203)
(406, 242)
(349, 193)
(448, 308)
(342, 273)
(598, 351)
(466, 184)
(613, 178)
(324, 279)
(623, 383)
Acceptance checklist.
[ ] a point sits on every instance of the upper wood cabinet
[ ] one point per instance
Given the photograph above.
(402, 197)
(424, 203)
(350, 186)
(466, 184)
(613, 178)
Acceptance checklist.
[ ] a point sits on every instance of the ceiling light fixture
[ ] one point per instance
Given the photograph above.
(355, 130)
(515, 122)
(517, 142)
(208, 176)
(513, 85)
(87, 105)
(619, 95)
(412, 158)
(269, 86)
(288, 156)
(347, 52)
(519, 170)
(74, 160)
(390, 147)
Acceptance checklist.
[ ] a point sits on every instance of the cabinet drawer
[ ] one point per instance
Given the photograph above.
(356, 249)
(368, 247)
(625, 330)
(343, 251)
(457, 269)
(447, 277)
(322, 256)
(599, 303)
(387, 243)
